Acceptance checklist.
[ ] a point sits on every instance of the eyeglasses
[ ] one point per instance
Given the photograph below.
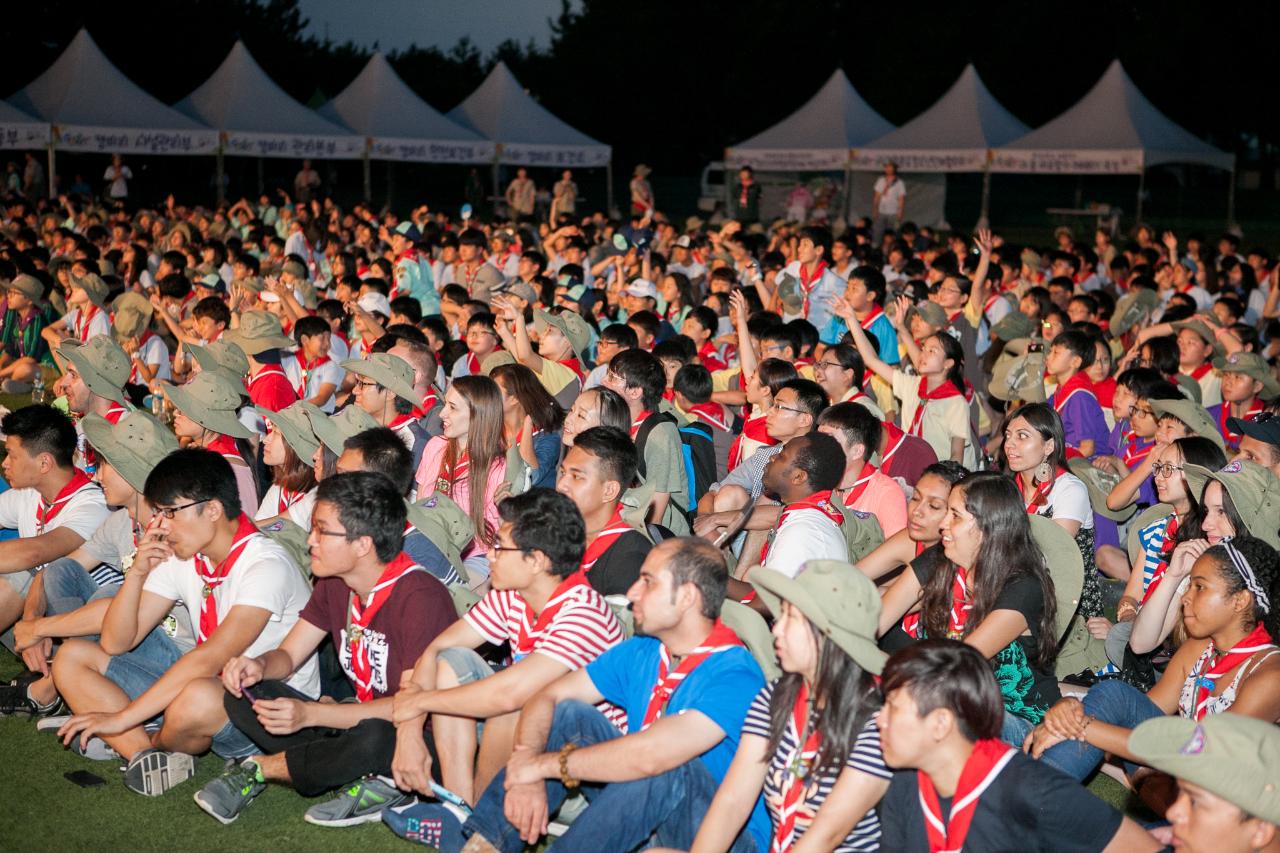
(320, 531)
(1165, 469)
(365, 383)
(170, 511)
(1146, 413)
(776, 405)
(826, 364)
(496, 547)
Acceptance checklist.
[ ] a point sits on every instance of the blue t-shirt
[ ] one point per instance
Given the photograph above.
(881, 329)
(722, 688)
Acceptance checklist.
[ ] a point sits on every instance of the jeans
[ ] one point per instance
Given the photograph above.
(67, 587)
(1014, 729)
(667, 808)
(1111, 702)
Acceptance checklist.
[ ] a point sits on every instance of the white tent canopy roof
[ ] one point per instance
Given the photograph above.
(93, 106)
(816, 137)
(953, 135)
(527, 134)
(19, 130)
(400, 125)
(257, 118)
(1112, 129)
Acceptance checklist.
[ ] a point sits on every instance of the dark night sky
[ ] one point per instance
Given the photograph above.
(396, 24)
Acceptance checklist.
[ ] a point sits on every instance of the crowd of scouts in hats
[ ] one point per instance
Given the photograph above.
(715, 537)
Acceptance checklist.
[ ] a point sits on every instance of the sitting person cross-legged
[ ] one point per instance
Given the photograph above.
(382, 610)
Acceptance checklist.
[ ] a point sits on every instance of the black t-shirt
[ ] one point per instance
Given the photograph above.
(619, 567)
(1030, 806)
(923, 563)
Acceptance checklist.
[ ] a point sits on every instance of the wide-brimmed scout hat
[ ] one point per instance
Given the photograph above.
(1099, 484)
(789, 292)
(570, 325)
(1012, 326)
(1066, 566)
(333, 430)
(1131, 308)
(1231, 756)
(931, 312)
(294, 424)
(131, 314)
(102, 364)
(840, 601)
(1194, 416)
(1018, 374)
(251, 284)
(221, 356)
(133, 446)
(211, 400)
(1256, 493)
(259, 331)
(28, 285)
(496, 359)
(94, 287)
(1203, 329)
(390, 371)
(1254, 366)
(446, 524)
(294, 269)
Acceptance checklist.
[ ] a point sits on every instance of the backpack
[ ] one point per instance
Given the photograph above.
(697, 446)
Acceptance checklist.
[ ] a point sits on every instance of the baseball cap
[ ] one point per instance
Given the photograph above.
(643, 288)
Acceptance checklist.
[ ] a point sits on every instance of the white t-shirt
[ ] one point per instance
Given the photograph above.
(1069, 500)
(119, 181)
(84, 513)
(265, 577)
(329, 372)
(806, 534)
(112, 541)
(155, 354)
(942, 421)
(891, 195)
(99, 324)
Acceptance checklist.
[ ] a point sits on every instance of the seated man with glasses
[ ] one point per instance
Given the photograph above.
(243, 595)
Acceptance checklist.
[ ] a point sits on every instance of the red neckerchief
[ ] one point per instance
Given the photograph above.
(287, 499)
(944, 391)
(531, 629)
(133, 369)
(1233, 439)
(721, 639)
(669, 395)
(712, 414)
(267, 370)
(710, 357)
(361, 616)
(225, 445)
(114, 414)
(897, 436)
(1258, 640)
(809, 281)
(860, 485)
(799, 764)
(866, 321)
(1105, 391)
(473, 364)
(984, 764)
(960, 607)
(213, 576)
(951, 318)
(469, 277)
(409, 254)
(820, 501)
(754, 428)
(399, 421)
(1134, 452)
(1077, 384)
(45, 514)
(574, 365)
(342, 336)
(450, 474)
(1166, 549)
(604, 540)
(1041, 497)
(306, 373)
(83, 320)
(638, 422)
(1200, 371)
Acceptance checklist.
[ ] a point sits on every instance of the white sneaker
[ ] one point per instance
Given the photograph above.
(51, 724)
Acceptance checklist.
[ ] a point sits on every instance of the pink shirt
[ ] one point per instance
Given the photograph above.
(429, 472)
(884, 499)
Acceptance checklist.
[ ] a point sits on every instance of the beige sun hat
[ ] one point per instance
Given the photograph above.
(258, 331)
(131, 314)
(133, 447)
(221, 356)
(94, 287)
(102, 364)
(333, 430)
(390, 371)
(294, 423)
(570, 324)
(211, 400)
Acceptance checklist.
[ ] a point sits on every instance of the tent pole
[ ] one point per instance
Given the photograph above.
(1231, 199)
(608, 186)
(368, 177)
(496, 192)
(389, 184)
(262, 183)
(219, 173)
(1142, 183)
(985, 213)
(52, 170)
(848, 189)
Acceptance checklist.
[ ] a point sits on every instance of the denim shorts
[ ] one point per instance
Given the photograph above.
(230, 742)
(135, 671)
(466, 664)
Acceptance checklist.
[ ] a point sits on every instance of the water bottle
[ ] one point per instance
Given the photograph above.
(157, 405)
(38, 395)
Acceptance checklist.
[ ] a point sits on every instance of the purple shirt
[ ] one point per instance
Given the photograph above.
(1082, 420)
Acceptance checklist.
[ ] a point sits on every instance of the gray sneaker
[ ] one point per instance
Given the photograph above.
(363, 802)
(154, 771)
(225, 797)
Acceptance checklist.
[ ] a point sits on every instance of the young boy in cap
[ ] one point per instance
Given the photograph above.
(382, 611)
(1228, 773)
(1246, 381)
(148, 353)
(558, 361)
(1197, 347)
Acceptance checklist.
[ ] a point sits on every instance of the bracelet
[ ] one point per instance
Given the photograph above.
(565, 779)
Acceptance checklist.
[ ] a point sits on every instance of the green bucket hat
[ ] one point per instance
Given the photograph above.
(258, 331)
(221, 356)
(1232, 756)
(931, 312)
(1131, 308)
(131, 314)
(390, 371)
(1018, 375)
(496, 359)
(1254, 366)
(133, 446)
(1099, 484)
(306, 293)
(211, 400)
(1191, 414)
(1256, 493)
(28, 285)
(840, 601)
(94, 287)
(294, 269)
(1066, 566)
(333, 430)
(294, 423)
(250, 283)
(446, 524)
(570, 325)
(102, 364)
(1201, 328)
(1012, 326)
(790, 293)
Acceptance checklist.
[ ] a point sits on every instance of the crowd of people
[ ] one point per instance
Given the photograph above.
(736, 536)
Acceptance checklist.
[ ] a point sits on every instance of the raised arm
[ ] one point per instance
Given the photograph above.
(845, 312)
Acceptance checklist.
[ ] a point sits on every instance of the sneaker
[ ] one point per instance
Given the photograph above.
(52, 724)
(96, 750)
(154, 771)
(437, 825)
(15, 701)
(363, 802)
(225, 797)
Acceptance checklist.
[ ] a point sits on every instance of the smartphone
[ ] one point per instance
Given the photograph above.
(84, 778)
(248, 694)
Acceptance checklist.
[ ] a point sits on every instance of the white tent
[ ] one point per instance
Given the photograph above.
(526, 133)
(256, 118)
(94, 107)
(398, 124)
(1113, 129)
(19, 130)
(953, 135)
(818, 136)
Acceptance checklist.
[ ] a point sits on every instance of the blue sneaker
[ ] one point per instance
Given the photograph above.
(436, 825)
